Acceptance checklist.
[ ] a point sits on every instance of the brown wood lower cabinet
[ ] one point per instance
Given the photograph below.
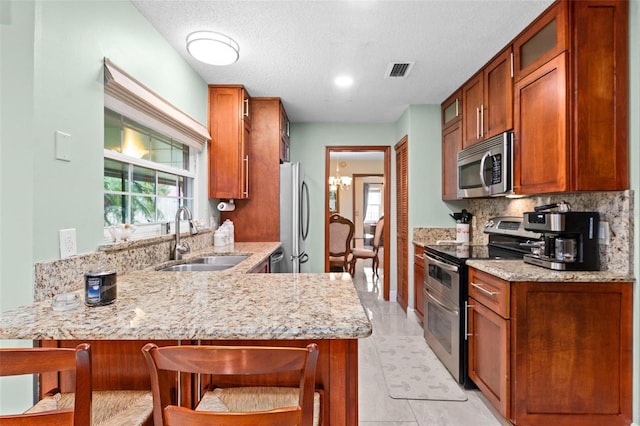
(488, 329)
(120, 365)
(559, 353)
(263, 267)
(418, 281)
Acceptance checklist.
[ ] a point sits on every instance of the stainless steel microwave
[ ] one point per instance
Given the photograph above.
(486, 168)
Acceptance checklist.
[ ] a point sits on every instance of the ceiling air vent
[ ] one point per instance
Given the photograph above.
(398, 70)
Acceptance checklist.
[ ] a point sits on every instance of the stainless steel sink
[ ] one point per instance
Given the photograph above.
(190, 267)
(220, 260)
(208, 263)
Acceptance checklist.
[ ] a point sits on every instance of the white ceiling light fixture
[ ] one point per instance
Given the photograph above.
(213, 48)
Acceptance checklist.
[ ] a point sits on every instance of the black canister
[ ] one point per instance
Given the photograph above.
(100, 288)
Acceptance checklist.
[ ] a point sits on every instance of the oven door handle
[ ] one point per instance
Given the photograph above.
(439, 303)
(443, 265)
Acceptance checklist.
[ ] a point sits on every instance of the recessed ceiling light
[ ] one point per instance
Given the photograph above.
(343, 81)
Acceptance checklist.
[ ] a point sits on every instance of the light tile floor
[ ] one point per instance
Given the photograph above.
(376, 408)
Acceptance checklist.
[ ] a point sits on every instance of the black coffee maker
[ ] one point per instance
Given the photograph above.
(570, 239)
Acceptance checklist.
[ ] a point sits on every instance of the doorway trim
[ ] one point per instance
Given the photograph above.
(386, 150)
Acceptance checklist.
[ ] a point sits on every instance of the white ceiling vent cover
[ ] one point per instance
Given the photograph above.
(398, 69)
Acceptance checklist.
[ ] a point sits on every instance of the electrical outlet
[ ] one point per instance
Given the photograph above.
(68, 243)
(603, 233)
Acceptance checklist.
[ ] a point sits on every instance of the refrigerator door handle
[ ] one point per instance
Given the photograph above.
(304, 215)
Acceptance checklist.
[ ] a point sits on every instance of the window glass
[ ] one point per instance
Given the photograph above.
(144, 180)
(143, 209)
(168, 185)
(116, 209)
(148, 176)
(374, 204)
(112, 132)
(116, 176)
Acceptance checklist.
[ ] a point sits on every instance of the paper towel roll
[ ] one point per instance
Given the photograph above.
(462, 232)
(226, 207)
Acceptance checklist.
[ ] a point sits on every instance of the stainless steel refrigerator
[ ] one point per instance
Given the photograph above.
(294, 217)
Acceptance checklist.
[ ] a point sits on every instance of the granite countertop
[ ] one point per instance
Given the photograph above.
(231, 304)
(517, 270)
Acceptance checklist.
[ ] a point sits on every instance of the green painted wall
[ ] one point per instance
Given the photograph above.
(308, 142)
(51, 55)
(16, 176)
(421, 123)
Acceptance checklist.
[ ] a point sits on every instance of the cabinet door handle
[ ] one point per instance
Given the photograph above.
(477, 123)
(482, 121)
(484, 290)
(467, 306)
(511, 64)
(246, 107)
(246, 176)
(457, 103)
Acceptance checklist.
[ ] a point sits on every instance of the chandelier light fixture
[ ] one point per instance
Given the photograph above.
(213, 48)
(337, 181)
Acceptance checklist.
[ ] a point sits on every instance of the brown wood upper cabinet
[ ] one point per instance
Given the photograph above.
(251, 222)
(571, 109)
(451, 144)
(230, 128)
(543, 40)
(452, 110)
(284, 135)
(488, 100)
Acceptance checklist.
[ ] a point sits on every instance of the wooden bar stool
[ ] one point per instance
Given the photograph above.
(82, 406)
(19, 361)
(233, 406)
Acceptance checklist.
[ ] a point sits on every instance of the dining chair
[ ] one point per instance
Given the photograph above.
(372, 253)
(340, 235)
(240, 405)
(21, 361)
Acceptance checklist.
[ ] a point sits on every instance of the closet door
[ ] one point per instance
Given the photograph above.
(402, 221)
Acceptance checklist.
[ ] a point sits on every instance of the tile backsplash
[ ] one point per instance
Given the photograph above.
(614, 207)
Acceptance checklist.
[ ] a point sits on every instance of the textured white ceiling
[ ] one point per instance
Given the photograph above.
(294, 49)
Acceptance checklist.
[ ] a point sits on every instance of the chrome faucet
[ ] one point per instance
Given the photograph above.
(180, 248)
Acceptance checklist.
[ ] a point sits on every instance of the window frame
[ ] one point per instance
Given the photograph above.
(125, 95)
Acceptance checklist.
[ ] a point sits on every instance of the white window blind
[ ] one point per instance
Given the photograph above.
(127, 96)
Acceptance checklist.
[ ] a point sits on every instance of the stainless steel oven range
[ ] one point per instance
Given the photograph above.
(445, 288)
